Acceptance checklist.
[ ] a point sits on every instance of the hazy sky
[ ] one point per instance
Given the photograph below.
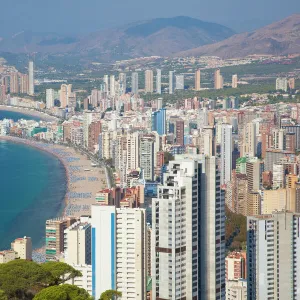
(81, 16)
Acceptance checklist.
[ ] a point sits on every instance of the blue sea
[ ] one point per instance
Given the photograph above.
(32, 190)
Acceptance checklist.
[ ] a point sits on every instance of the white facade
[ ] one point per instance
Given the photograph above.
(135, 83)
(112, 85)
(236, 289)
(49, 98)
(122, 82)
(273, 252)
(158, 81)
(84, 281)
(31, 78)
(183, 264)
(226, 153)
(179, 82)
(119, 251)
(23, 248)
(87, 120)
(147, 157)
(106, 86)
(171, 82)
(77, 242)
(281, 84)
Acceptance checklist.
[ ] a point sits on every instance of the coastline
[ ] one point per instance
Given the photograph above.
(83, 181)
(29, 112)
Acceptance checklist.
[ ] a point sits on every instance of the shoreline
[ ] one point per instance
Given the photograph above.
(29, 112)
(76, 201)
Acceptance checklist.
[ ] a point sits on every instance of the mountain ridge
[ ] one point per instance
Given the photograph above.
(279, 38)
(161, 36)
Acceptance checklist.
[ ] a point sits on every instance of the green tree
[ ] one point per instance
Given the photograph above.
(22, 279)
(2, 295)
(168, 157)
(63, 292)
(110, 294)
(61, 272)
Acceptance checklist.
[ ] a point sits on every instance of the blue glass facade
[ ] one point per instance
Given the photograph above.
(159, 121)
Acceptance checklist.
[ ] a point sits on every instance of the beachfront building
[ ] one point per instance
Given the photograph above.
(22, 247)
(119, 251)
(77, 251)
(55, 237)
(188, 236)
(7, 256)
(77, 242)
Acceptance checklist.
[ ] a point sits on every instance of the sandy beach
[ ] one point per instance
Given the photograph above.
(83, 180)
(29, 112)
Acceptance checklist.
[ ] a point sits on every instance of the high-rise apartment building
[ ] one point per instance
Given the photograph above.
(106, 84)
(87, 120)
(55, 237)
(14, 83)
(147, 157)
(149, 81)
(22, 247)
(188, 239)
(123, 83)
(132, 141)
(179, 131)
(171, 82)
(273, 270)
(50, 98)
(135, 83)
(234, 83)
(218, 80)
(226, 153)
(159, 119)
(249, 147)
(119, 251)
(24, 83)
(158, 81)
(112, 85)
(198, 80)
(65, 94)
(281, 84)
(31, 78)
(77, 242)
(179, 82)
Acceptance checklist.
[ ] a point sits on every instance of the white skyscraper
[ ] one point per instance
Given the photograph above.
(31, 78)
(171, 82)
(50, 95)
(87, 120)
(105, 81)
(226, 153)
(179, 82)
(77, 242)
(147, 157)
(135, 83)
(273, 254)
(112, 85)
(122, 82)
(188, 236)
(158, 81)
(119, 251)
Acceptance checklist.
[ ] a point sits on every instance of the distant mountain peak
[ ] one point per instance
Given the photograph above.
(152, 26)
